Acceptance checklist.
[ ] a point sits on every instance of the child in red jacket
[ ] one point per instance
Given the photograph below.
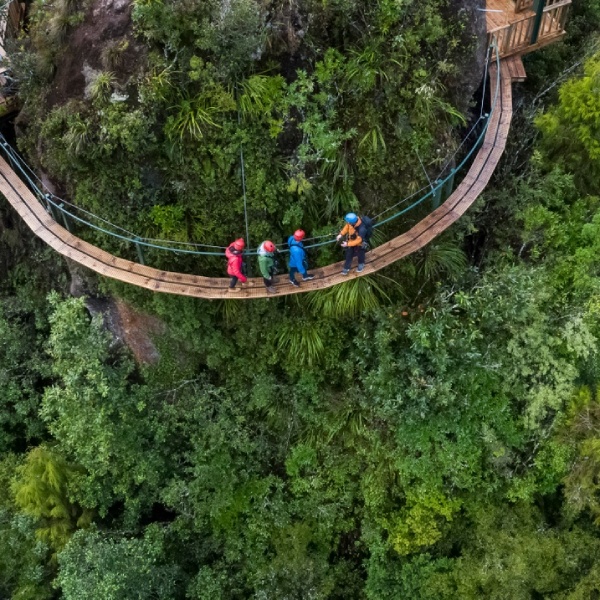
(235, 261)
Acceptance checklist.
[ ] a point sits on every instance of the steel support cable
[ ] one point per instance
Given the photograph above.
(244, 185)
(485, 76)
(465, 138)
(18, 162)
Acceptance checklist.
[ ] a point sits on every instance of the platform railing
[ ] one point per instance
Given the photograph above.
(554, 18)
(515, 37)
(522, 5)
(534, 30)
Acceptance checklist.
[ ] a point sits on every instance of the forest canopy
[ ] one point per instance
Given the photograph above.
(428, 432)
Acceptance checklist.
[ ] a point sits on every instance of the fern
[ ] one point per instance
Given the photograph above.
(442, 258)
(354, 297)
(259, 95)
(302, 342)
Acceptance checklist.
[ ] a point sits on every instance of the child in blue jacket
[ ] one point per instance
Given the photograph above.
(298, 262)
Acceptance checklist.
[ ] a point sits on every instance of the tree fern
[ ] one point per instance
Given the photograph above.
(442, 258)
(302, 341)
(354, 297)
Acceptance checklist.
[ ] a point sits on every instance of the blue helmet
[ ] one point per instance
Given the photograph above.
(351, 218)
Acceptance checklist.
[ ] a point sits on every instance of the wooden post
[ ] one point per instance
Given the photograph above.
(140, 251)
(437, 194)
(65, 220)
(448, 185)
(537, 23)
(53, 210)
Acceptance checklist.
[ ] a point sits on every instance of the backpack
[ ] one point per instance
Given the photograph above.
(368, 229)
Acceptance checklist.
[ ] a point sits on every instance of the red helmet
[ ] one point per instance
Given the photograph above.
(299, 235)
(239, 244)
(269, 246)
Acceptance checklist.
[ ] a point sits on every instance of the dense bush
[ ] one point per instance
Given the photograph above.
(427, 432)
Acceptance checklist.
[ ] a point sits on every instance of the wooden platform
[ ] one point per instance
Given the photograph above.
(513, 22)
(502, 13)
(42, 224)
(516, 68)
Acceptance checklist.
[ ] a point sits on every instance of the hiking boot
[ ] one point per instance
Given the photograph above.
(271, 290)
(345, 271)
(307, 277)
(360, 268)
(294, 283)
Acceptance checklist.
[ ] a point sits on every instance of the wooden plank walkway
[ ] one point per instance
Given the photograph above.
(44, 226)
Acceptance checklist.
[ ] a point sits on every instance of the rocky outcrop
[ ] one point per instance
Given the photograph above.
(104, 41)
(471, 13)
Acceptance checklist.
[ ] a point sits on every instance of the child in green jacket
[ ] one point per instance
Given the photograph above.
(266, 264)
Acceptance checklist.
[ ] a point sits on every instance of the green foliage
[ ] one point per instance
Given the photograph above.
(99, 418)
(22, 368)
(514, 553)
(571, 131)
(404, 435)
(582, 484)
(440, 258)
(101, 86)
(41, 491)
(96, 565)
(193, 115)
(354, 298)
(418, 525)
(301, 342)
(24, 574)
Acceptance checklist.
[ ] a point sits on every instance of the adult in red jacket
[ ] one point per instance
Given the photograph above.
(235, 261)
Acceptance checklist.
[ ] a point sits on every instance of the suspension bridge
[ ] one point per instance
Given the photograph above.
(41, 212)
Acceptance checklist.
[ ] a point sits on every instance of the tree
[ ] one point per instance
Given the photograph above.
(109, 567)
(100, 418)
(25, 571)
(41, 491)
(571, 130)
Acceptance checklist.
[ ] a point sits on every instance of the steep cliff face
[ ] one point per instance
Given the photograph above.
(104, 41)
(339, 105)
(469, 75)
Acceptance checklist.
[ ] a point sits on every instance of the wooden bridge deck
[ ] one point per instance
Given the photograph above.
(44, 226)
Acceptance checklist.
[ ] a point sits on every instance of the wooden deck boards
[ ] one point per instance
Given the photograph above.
(516, 68)
(96, 259)
(502, 13)
(514, 30)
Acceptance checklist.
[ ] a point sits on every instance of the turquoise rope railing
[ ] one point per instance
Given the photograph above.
(56, 206)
